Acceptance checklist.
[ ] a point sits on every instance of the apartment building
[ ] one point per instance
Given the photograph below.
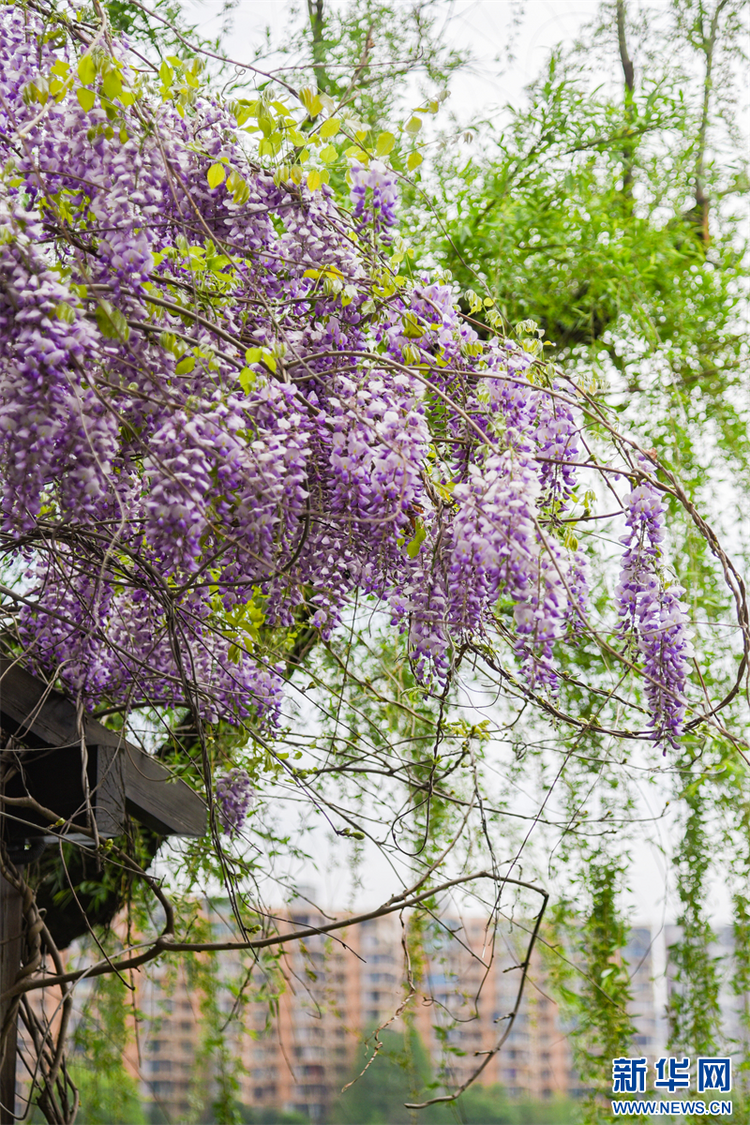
(337, 991)
(301, 1035)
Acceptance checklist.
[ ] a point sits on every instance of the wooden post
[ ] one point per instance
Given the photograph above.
(122, 779)
(11, 950)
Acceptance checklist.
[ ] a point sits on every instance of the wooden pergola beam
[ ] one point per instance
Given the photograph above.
(122, 777)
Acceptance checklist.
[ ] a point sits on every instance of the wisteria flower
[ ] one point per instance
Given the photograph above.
(234, 798)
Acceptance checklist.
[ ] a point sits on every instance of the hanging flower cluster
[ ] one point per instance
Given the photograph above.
(220, 411)
(234, 797)
(653, 613)
(374, 192)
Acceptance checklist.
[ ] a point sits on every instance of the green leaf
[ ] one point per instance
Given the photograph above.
(413, 330)
(415, 159)
(185, 366)
(329, 154)
(241, 193)
(216, 175)
(248, 379)
(414, 547)
(86, 98)
(111, 322)
(413, 126)
(112, 84)
(314, 180)
(330, 127)
(310, 101)
(166, 73)
(86, 70)
(386, 141)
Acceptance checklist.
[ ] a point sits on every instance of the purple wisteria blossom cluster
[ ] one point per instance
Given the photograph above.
(652, 612)
(234, 795)
(374, 192)
(216, 408)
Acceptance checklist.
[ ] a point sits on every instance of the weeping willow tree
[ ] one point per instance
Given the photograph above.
(608, 205)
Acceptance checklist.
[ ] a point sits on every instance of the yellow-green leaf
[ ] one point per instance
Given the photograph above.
(413, 330)
(329, 154)
(310, 101)
(253, 355)
(415, 159)
(86, 98)
(185, 366)
(166, 73)
(314, 179)
(330, 127)
(413, 126)
(248, 379)
(386, 141)
(112, 85)
(241, 193)
(111, 321)
(413, 548)
(86, 69)
(216, 174)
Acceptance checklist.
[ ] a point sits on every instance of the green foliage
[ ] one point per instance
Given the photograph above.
(162, 27)
(609, 207)
(401, 1073)
(596, 212)
(107, 1096)
(593, 980)
(694, 1012)
(270, 1117)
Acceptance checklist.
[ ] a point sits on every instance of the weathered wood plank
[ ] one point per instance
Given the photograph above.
(108, 794)
(154, 797)
(121, 776)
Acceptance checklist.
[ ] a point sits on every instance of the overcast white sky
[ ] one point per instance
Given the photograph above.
(481, 25)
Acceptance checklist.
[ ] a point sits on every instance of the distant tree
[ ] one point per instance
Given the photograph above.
(399, 1073)
(609, 205)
